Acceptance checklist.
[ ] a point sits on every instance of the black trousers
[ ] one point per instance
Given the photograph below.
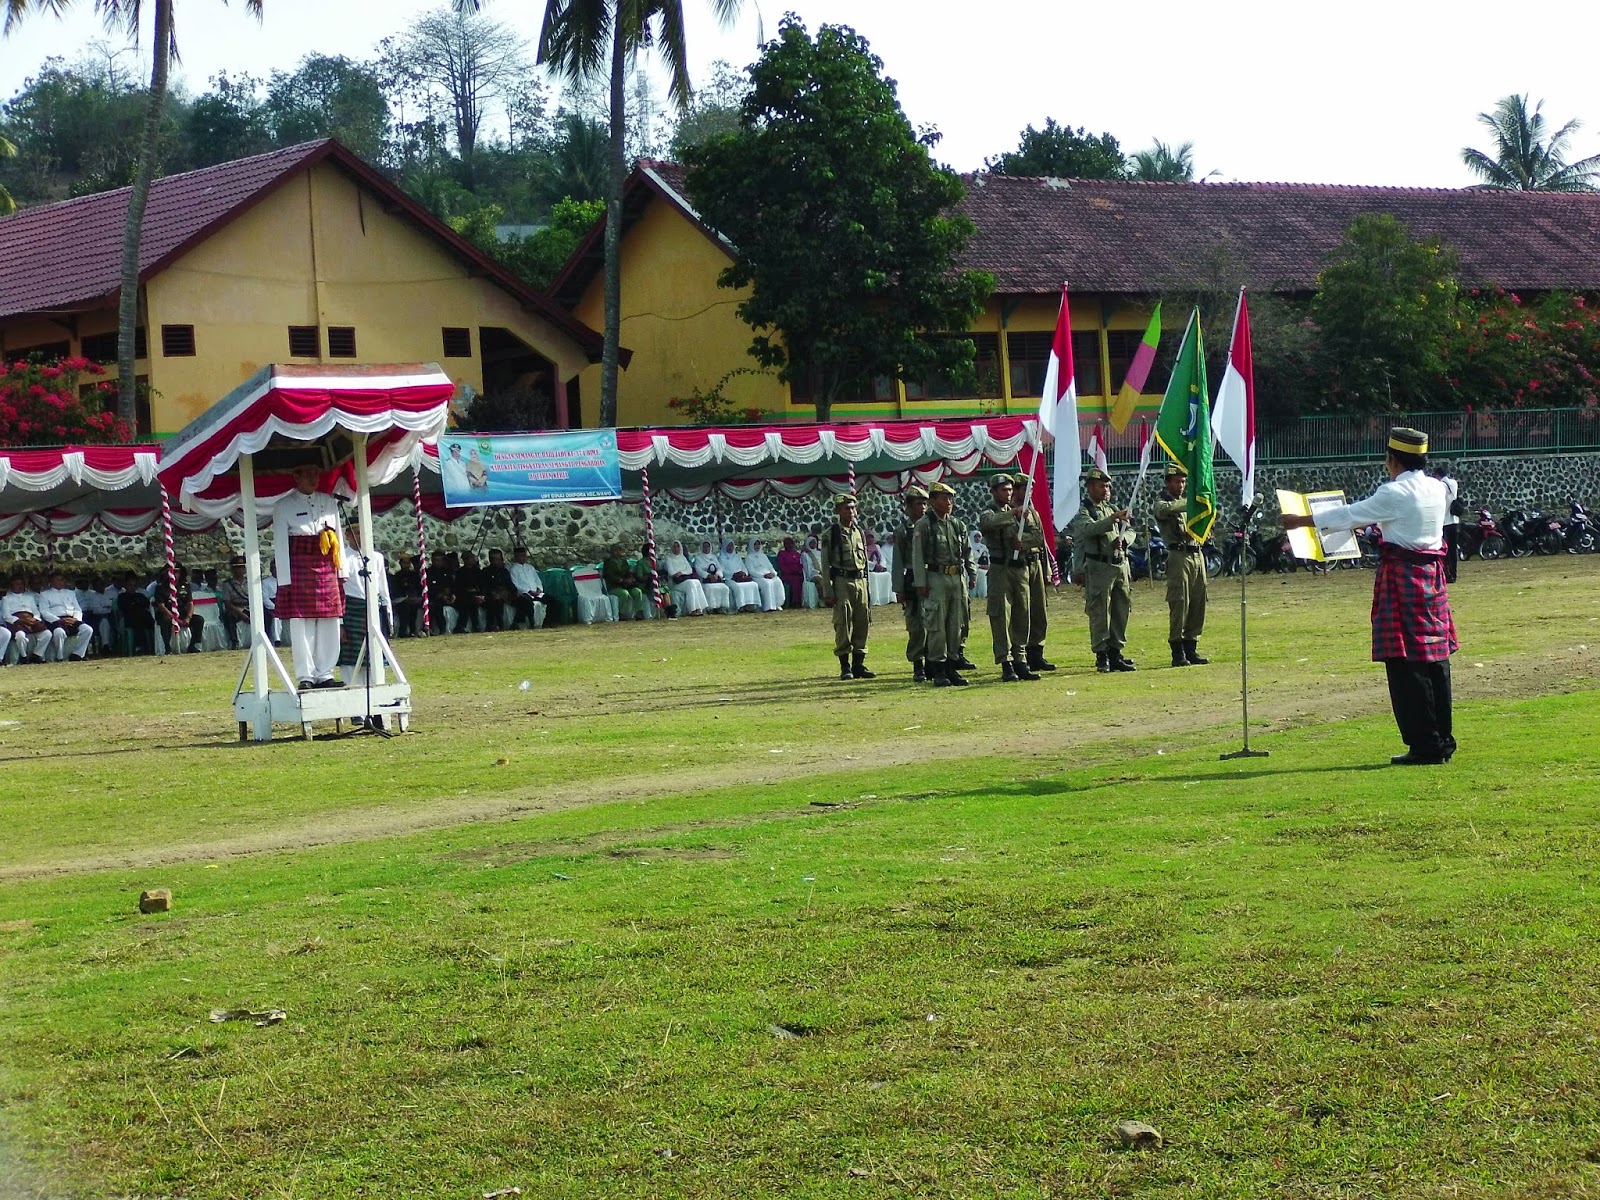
(1452, 551)
(1419, 692)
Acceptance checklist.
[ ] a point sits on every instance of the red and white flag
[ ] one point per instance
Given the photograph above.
(1097, 448)
(1233, 415)
(1145, 442)
(1058, 416)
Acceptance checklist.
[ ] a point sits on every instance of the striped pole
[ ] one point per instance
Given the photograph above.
(650, 535)
(422, 548)
(172, 561)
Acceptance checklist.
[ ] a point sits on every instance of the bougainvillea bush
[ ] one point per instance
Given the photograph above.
(1514, 352)
(49, 404)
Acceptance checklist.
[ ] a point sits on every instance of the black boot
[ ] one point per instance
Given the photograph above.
(939, 672)
(1036, 659)
(1179, 658)
(1191, 651)
(1008, 673)
(844, 667)
(858, 667)
(917, 673)
(1119, 663)
(950, 674)
(1102, 661)
(1024, 670)
(964, 664)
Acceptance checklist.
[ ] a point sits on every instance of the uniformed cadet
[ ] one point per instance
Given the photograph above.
(1186, 572)
(905, 586)
(941, 561)
(1008, 583)
(1101, 536)
(1034, 558)
(843, 584)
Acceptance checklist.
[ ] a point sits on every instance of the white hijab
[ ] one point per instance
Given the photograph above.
(811, 558)
(756, 560)
(705, 563)
(732, 563)
(677, 563)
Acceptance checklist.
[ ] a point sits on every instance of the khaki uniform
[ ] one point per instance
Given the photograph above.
(1186, 572)
(1034, 559)
(941, 561)
(844, 581)
(900, 567)
(1009, 599)
(1100, 554)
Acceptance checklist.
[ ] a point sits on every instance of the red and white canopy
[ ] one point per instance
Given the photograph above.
(396, 405)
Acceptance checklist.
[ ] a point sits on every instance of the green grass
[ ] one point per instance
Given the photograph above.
(998, 921)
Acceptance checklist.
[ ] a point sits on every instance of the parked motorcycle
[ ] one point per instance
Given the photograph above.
(1240, 552)
(1548, 533)
(1579, 535)
(1483, 538)
(1518, 531)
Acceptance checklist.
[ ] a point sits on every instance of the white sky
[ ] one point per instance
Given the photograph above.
(1359, 91)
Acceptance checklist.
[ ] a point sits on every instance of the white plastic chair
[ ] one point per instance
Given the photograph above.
(880, 587)
(593, 602)
(213, 636)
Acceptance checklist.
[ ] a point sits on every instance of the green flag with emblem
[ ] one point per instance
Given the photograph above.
(1184, 428)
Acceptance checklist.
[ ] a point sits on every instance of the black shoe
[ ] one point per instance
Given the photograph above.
(1192, 653)
(1118, 663)
(1412, 759)
(917, 674)
(1036, 659)
(858, 668)
(1179, 657)
(844, 667)
(329, 683)
(1024, 670)
(1102, 662)
(940, 674)
(964, 664)
(305, 685)
(1008, 673)
(950, 674)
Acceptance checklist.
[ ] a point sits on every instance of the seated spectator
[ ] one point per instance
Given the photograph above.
(764, 574)
(708, 570)
(442, 592)
(135, 616)
(98, 599)
(166, 603)
(876, 559)
(623, 583)
(23, 629)
(60, 611)
(527, 590)
(471, 592)
(746, 595)
(792, 570)
(688, 595)
(498, 590)
(233, 603)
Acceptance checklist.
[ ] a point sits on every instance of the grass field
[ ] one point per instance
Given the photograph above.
(689, 918)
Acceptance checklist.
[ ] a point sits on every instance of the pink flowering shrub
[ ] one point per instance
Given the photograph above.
(50, 404)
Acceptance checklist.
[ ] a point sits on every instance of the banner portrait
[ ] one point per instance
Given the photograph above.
(529, 468)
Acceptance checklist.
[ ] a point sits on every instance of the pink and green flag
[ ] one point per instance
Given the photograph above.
(1138, 372)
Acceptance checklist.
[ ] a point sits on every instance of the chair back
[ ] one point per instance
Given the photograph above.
(588, 581)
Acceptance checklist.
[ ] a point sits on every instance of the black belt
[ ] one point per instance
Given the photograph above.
(1116, 562)
(1188, 547)
(842, 573)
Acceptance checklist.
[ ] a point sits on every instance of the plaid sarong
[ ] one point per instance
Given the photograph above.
(1411, 608)
(352, 631)
(314, 589)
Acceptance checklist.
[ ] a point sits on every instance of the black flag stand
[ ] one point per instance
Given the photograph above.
(1251, 514)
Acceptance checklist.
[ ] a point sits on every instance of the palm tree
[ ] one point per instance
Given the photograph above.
(579, 39)
(7, 204)
(1527, 156)
(1164, 164)
(126, 14)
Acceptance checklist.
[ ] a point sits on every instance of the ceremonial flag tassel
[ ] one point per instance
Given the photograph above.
(1058, 416)
(1138, 373)
(1233, 419)
(1183, 428)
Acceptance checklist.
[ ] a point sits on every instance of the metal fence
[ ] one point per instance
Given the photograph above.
(1450, 435)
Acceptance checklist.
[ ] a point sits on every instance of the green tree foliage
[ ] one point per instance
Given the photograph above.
(1162, 163)
(329, 97)
(537, 257)
(1386, 306)
(1527, 155)
(842, 223)
(7, 204)
(1061, 152)
(713, 110)
(76, 128)
(1507, 353)
(226, 122)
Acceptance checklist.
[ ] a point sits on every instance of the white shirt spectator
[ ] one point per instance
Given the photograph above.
(19, 602)
(1409, 510)
(55, 603)
(355, 587)
(525, 578)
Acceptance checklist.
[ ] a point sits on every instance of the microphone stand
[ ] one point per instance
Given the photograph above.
(1249, 518)
(367, 724)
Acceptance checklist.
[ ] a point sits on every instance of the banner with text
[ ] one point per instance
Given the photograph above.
(529, 468)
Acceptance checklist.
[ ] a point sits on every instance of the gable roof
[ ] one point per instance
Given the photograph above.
(1133, 238)
(67, 257)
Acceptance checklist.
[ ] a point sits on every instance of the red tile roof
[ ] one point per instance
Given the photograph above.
(1126, 237)
(67, 257)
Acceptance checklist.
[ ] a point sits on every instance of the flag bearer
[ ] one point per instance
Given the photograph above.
(1101, 535)
(1186, 571)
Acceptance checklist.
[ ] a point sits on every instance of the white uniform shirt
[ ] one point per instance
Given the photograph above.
(18, 602)
(525, 577)
(1410, 510)
(55, 603)
(453, 473)
(1452, 490)
(302, 516)
(355, 586)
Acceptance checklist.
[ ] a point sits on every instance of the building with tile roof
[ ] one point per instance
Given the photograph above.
(305, 254)
(1119, 242)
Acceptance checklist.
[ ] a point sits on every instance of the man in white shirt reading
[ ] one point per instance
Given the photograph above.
(309, 567)
(528, 599)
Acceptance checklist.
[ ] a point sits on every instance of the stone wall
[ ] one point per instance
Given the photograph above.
(559, 534)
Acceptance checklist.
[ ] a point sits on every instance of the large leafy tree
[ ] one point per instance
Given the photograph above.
(842, 225)
(1386, 307)
(127, 14)
(329, 96)
(7, 204)
(1527, 155)
(1162, 163)
(589, 39)
(1061, 152)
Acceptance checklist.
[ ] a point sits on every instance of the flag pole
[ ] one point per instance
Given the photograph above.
(1251, 514)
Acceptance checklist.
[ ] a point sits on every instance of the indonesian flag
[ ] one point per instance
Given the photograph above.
(1145, 442)
(1097, 448)
(1233, 417)
(1058, 416)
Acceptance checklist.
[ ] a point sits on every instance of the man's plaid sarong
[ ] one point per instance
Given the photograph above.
(1411, 608)
(314, 589)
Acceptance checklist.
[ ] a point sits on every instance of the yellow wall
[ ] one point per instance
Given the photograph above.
(680, 326)
(321, 251)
